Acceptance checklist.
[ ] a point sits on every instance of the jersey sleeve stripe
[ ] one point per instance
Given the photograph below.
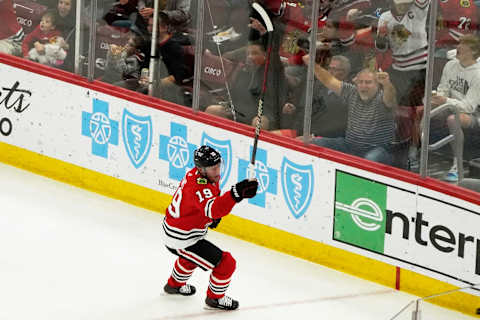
(208, 208)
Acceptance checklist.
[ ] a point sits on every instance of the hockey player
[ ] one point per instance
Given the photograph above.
(196, 206)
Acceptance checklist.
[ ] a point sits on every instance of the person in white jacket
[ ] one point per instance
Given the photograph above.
(460, 86)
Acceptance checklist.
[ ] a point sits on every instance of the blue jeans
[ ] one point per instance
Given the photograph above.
(377, 154)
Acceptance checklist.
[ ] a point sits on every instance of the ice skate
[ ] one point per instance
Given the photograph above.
(185, 290)
(224, 303)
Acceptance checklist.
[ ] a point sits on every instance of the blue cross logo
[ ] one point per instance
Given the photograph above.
(176, 150)
(102, 130)
(266, 176)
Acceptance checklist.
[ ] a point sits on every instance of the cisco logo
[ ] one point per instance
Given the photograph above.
(104, 45)
(24, 22)
(212, 71)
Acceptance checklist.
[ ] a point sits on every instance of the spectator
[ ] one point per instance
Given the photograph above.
(41, 35)
(172, 52)
(178, 13)
(339, 36)
(329, 111)
(370, 124)
(460, 86)
(66, 19)
(342, 42)
(403, 30)
(174, 72)
(121, 13)
(145, 12)
(246, 91)
(123, 63)
(11, 33)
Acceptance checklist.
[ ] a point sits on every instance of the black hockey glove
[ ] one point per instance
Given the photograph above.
(215, 223)
(244, 189)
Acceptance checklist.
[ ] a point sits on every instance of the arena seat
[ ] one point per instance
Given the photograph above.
(29, 13)
(213, 75)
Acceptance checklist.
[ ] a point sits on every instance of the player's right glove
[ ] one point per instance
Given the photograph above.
(244, 189)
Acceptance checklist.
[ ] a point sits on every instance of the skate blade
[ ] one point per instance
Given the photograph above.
(207, 307)
(174, 296)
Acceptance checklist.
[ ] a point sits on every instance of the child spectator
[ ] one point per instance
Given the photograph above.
(123, 63)
(41, 36)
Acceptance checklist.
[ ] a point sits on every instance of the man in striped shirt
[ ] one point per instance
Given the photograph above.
(370, 125)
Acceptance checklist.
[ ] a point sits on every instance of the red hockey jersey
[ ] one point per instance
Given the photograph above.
(195, 203)
(456, 18)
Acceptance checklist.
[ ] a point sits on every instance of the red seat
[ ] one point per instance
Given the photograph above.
(29, 13)
(213, 74)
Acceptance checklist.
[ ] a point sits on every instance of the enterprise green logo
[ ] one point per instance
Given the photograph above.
(360, 207)
(363, 218)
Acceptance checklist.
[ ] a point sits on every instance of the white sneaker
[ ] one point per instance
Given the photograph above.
(452, 175)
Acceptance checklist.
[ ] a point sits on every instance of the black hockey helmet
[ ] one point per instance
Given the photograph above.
(206, 156)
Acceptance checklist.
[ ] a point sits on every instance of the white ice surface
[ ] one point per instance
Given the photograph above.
(66, 253)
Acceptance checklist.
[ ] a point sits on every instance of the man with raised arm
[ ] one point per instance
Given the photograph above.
(371, 101)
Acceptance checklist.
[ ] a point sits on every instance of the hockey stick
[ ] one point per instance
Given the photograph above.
(268, 23)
